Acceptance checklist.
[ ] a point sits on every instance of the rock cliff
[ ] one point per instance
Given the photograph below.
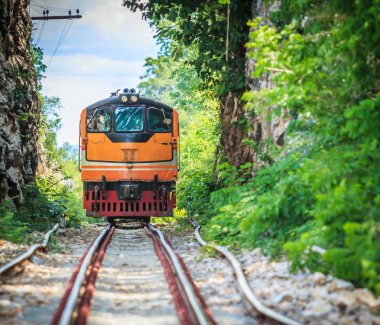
(263, 129)
(19, 104)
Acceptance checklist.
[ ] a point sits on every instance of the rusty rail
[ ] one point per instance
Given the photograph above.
(243, 283)
(32, 249)
(90, 260)
(186, 295)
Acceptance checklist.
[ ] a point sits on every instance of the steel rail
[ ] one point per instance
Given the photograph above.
(185, 317)
(73, 297)
(188, 289)
(202, 301)
(85, 304)
(62, 304)
(32, 249)
(247, 291)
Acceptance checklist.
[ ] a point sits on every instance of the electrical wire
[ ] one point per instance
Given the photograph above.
(35, 4)
(41, 32)
(61, 39)
(59, 42)
(34, 9)
(35, 27)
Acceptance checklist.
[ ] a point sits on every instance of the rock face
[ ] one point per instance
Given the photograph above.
(19, 104)
(233, 112)
(262, 129)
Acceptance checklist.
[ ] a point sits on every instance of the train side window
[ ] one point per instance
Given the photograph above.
(129, 119)
(99, 121)
(159, 120)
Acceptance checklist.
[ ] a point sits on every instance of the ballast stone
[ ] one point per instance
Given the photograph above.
(319, 278)
(9, 308)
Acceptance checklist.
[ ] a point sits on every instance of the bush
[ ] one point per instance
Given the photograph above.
(198, 148)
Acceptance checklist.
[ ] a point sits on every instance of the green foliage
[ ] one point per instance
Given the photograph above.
(198, 146)
(55, 193)
(50, 123)
(39, 66)
(157, 81)
(323, 189)
(61, 185)
(177, 225)
(10, 228)
(45, 201)
(58, 191)
(182, 24)
(57, 196)
(176, 83)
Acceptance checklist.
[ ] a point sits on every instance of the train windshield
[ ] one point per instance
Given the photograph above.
(129, 119)
(159, 120)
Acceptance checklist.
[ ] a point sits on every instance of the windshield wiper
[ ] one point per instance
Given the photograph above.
(89, 121)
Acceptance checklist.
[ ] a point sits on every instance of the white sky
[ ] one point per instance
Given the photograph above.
(102, 52)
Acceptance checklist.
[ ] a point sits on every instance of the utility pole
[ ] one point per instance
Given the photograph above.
(47, 17)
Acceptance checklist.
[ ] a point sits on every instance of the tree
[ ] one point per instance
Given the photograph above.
(203, 24)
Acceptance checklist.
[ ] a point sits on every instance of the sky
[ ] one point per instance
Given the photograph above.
(102, 52)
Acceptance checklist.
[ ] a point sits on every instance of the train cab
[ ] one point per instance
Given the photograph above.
(129, 157)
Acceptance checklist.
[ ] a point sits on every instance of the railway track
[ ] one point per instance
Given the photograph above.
(255, 304)
(142, 279)
(5, 269)
(190, 305)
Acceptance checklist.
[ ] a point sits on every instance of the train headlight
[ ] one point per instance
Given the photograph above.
(134, 98)
(124, 99)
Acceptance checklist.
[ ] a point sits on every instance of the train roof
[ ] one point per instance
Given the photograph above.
(114, 100)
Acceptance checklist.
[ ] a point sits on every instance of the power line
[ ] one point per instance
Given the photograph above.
(35, 28)
(35, 10)
(45, 17)
(59, 42)
(61, 39)
(41, 32)
(47, 9)
(35, 4)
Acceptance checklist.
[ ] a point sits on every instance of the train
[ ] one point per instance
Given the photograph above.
(128, 157)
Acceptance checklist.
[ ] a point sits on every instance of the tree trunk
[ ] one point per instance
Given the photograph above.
(236, 121)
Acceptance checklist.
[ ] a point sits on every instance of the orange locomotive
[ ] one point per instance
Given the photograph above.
(128, 157)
